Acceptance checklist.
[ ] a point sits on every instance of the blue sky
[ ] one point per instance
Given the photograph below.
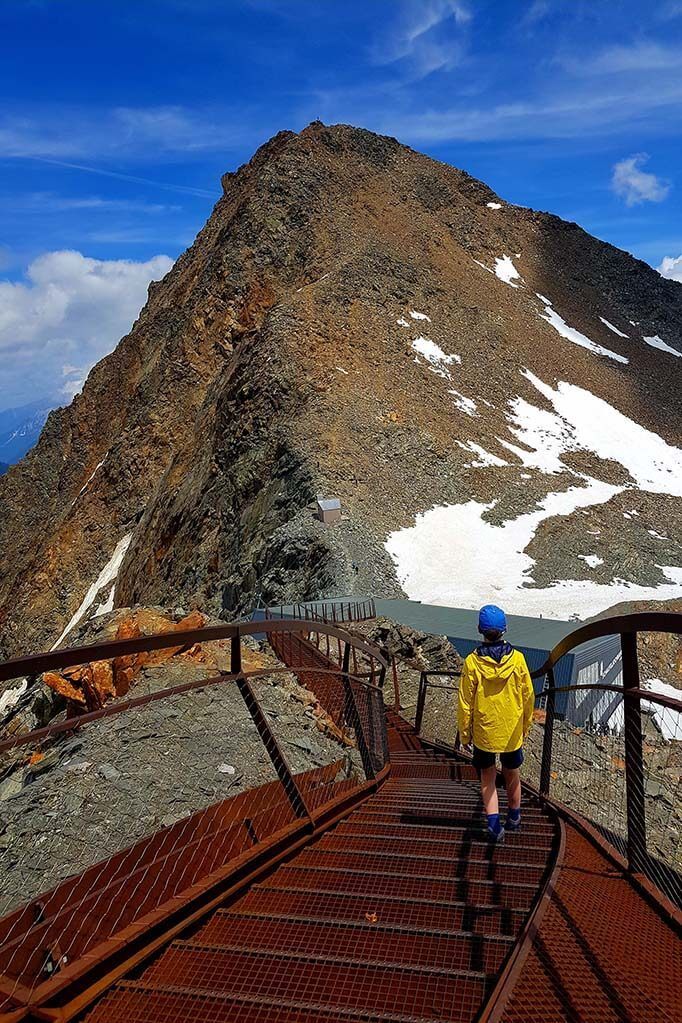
(119, 116)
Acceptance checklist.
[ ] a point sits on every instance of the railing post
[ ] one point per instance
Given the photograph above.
(634, 772)
(546, 764)
(421, 700)
(396, 687)
(236, 654)
(291, 789)
(353, 714)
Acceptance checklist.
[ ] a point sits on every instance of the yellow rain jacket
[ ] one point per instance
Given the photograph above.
(495, 702)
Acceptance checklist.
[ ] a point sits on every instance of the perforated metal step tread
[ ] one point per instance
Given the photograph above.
(403, 912)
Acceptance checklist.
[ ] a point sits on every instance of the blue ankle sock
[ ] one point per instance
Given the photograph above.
(494, 823)
(514, 815)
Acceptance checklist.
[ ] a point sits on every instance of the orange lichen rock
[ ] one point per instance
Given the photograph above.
(90, 686)
(61, 685)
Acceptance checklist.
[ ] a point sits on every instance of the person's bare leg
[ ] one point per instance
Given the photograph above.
(489, 790)
(512, 783)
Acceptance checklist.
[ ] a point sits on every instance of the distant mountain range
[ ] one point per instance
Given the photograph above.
(20, 429)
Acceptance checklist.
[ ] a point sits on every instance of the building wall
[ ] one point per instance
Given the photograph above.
(598, 663)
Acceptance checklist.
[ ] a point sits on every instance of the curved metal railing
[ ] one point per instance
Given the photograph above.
(329, 611)
(623, 780)
(101, 911)
(662, 865)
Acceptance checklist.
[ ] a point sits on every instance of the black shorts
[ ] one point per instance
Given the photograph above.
(482, 758)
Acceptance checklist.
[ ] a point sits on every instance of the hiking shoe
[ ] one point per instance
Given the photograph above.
(495, 837)
(511, 825)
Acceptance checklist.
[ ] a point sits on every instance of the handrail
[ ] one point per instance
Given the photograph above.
(642, 621)
(333, 610)
(121, 707)
(640, 861)
(36, 939)
(36, 664)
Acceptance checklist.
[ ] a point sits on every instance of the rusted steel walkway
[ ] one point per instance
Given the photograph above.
(403, 911)
(371, 896)
(601, 953)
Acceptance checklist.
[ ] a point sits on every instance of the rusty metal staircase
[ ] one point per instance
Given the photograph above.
(403, 911)
(368, 895)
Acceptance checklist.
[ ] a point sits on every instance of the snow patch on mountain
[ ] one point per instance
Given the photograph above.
(612, 328)
(504, 269)
(90, 479)
(486, 558)
(654, 464)
(419, 316)
(453, 556)
(494, 205)
(657, 342)
(552, 317)
(434, 355)
(593, 560)
(107, 605)
(464, 404)
(668, 720)
(107, 576)
(11, 697)
(485, 458)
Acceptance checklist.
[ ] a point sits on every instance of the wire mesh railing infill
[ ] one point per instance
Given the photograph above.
(120, 818)
(615, 761)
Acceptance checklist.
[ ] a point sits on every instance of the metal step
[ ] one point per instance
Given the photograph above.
(389, 908)
(515, 894)
(372, 942)
(326, 981)
(433, 770)
(476, 847)
(137, 1002)
(370, 827)
(429, 866)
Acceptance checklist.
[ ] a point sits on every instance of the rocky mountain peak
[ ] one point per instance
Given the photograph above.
(490, 391)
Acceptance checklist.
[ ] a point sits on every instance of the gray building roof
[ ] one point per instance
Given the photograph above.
(540, 633)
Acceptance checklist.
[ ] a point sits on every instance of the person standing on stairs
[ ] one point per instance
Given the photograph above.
(495, 712)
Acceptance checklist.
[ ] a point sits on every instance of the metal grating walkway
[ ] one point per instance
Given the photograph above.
(403, 911)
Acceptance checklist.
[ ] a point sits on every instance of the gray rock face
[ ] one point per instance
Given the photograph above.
(125, 777)
(271, 364)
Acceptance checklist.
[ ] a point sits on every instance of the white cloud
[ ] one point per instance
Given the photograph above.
(537, 11)
(634, 185)
(671, 267)
(642, 56)
(426, 37)
(140, 131)
(559, 110)
(69, 313)
(50, 202)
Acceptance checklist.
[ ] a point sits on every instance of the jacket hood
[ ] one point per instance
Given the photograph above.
(488, 664)
(497, 650)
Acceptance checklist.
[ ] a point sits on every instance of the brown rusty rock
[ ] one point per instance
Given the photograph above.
(63, 686)
(91, 686)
